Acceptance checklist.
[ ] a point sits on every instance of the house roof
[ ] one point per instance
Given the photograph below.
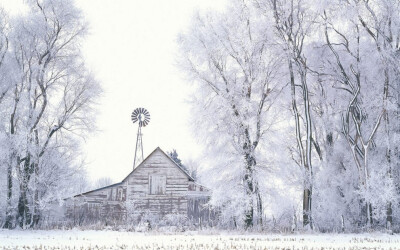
(116, 184)
(98, 189)
(159, 149)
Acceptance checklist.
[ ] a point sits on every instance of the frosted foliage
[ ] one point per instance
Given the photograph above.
(295, 102)
(235, 75)
(328, 124)
(46, 108)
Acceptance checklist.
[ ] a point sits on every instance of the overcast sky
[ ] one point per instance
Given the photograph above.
(131, 49)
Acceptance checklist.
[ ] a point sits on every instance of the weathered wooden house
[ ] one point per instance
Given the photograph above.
(156, 187)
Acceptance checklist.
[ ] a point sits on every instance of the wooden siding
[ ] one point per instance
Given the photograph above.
(139, 187)
(106, 205)
(174, 192)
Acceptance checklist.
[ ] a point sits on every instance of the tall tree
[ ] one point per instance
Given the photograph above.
(235, 73)
(365, 87)
(50, 103)
(5, 86)
(293, 24)
(340, 61)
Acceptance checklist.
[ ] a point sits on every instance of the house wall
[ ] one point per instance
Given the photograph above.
(198, 210)
(105, 205)
(132, 199)
(138, 188)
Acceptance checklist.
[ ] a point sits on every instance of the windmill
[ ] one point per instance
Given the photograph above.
(142, 116)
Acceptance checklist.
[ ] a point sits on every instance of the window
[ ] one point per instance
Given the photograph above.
(157, 184)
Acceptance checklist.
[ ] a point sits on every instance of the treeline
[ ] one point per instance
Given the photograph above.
(46, 106)
(297, 103)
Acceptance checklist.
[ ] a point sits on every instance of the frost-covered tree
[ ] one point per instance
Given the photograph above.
(336, 67)
(293, 22)
(174, 156)
(362, 58)
(235, 74)
(48, 105)
(5, 86)
(190, 168)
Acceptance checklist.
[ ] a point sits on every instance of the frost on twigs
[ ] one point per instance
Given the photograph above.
(297, 104)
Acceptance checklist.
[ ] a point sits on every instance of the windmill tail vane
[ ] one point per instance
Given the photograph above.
(142, 117)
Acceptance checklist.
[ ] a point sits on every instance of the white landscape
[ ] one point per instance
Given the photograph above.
(200, 124)
(76, 239)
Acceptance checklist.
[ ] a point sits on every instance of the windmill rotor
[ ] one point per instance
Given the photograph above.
(142, 116)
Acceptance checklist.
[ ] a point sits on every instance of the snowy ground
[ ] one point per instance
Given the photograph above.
(75, 239)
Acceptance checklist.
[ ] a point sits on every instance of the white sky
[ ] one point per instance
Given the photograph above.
(131, 49)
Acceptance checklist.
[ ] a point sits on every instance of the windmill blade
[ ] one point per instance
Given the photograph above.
(141, 115)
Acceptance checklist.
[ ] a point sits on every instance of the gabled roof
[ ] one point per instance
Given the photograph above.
(116, 184)
(98, 189)
(159, 149)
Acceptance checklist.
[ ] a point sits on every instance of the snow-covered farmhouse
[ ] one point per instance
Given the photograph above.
(156, 187)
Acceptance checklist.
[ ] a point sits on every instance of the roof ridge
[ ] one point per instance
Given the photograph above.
(178, 165)
(98, 189)
(162, 151)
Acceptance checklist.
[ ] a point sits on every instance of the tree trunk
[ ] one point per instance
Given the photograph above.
(389, 145)
(389, 216)
(305, 155)
(8, 223)
(9, 209)
(389, 211)
(36, 211)
(307, 207)
(248, 178)
(23, 209)
(259, 206)
(24, 213)
(370, 221)
(307, 199)
(249, 192)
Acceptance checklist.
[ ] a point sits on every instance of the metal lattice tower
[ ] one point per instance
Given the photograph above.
(142, 116)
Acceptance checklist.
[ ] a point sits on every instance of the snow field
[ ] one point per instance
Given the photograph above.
(76, 239)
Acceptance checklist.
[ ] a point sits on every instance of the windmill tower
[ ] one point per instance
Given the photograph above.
(142, 116)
